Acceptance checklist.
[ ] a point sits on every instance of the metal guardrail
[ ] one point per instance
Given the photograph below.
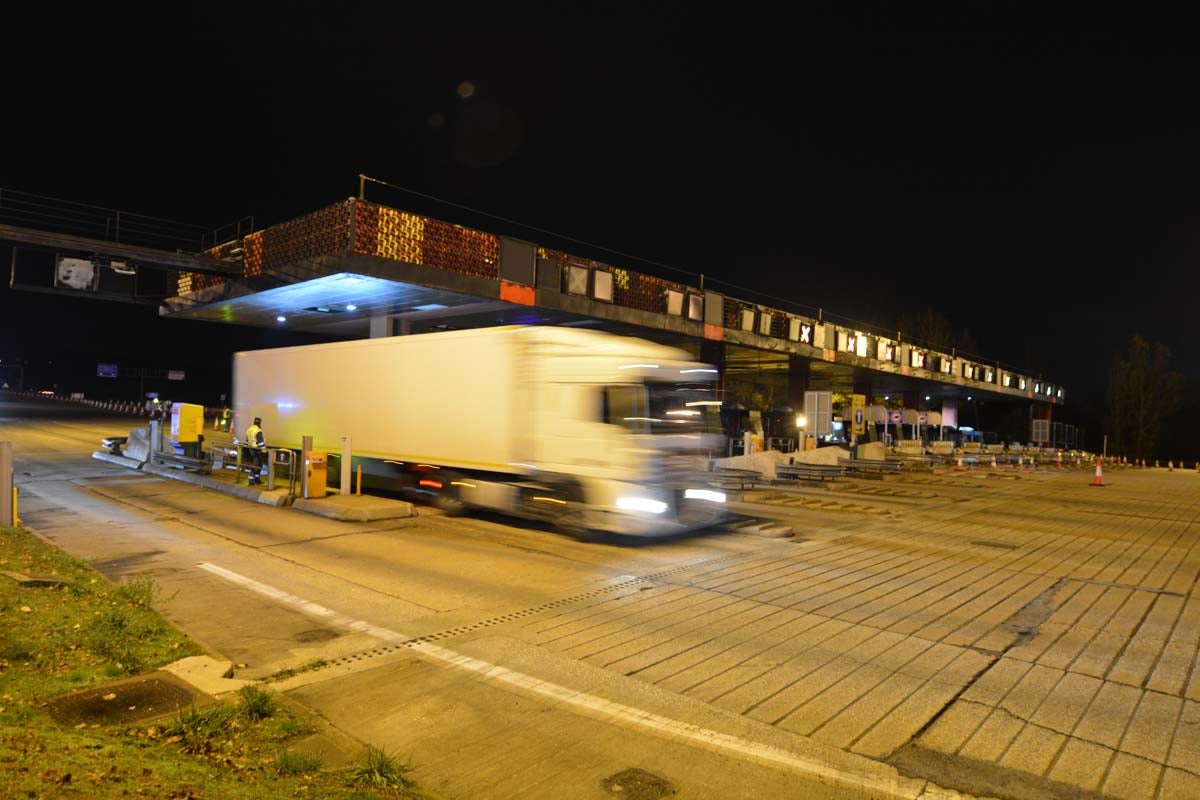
(871, 465)
(222, 457)
(57, 215)
(96, 222)
(802, 471)
(734, 479)
(279, 457)
(281, 463)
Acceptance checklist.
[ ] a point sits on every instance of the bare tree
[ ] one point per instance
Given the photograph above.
(1143, 396)
(931, 329)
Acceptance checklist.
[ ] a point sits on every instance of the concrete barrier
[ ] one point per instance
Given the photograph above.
(138, 445)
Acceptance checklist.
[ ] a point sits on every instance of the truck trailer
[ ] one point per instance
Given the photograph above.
(587, 430)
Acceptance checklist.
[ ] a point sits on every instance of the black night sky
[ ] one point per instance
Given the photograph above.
(1041, 190)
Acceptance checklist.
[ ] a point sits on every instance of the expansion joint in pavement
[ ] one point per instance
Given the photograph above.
(1130, 586)
(459, 630)
(929, 723)
(1025, 623)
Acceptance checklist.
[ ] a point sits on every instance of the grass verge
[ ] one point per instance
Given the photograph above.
(75, 630)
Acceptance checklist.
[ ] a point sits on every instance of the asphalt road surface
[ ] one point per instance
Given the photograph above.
(994, 632)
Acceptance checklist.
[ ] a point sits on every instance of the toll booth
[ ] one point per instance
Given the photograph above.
(317, 469)
(187, 424)
(780, 429)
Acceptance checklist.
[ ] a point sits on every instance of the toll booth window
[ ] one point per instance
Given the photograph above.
(625, 405)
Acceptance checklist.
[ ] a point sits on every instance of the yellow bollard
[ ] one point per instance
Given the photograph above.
(16, 520)
(358, 488)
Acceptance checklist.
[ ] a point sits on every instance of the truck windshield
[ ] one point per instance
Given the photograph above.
(683, 408)
(677, 408)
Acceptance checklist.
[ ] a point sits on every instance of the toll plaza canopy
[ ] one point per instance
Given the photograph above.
(357, 268)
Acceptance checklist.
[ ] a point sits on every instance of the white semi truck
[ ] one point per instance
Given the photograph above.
(587, 430)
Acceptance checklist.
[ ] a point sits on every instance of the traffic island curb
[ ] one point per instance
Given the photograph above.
(210, 675)
(355, 508)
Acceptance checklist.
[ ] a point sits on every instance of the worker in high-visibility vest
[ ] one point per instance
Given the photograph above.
(256, 449)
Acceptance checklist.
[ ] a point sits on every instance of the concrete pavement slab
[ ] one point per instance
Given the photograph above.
(1132, 777)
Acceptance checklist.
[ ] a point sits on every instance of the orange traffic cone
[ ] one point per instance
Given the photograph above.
(994, 463)
(1099, 479)
(960, 464)
(1171, 466)
(1156, 463)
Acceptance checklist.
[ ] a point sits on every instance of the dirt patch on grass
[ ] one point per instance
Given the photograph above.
(154, 695)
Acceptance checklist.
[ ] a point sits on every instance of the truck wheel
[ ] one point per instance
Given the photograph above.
(448, 499)
(573, 517)
(571, 522)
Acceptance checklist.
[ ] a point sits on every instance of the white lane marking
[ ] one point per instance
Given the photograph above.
(890, 782)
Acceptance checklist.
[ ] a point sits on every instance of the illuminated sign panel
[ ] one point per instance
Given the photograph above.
(799, 331)
(945, 364)
(968, 370)
(916, 358)
(886, 350)
(855, 343)
(988, 375)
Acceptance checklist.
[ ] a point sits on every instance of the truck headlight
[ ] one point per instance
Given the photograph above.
(641, 504)
(704, 494)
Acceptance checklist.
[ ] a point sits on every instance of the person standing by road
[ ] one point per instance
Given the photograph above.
(256, 448)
